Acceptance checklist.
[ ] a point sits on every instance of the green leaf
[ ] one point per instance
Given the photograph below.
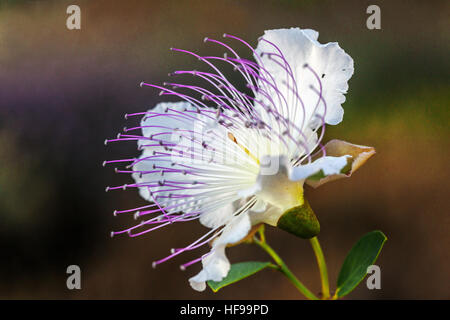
(363, 254)
(238, 271)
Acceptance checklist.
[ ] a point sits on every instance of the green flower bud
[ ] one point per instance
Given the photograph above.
(300, 221)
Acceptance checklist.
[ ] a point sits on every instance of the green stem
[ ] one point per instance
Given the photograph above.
(285, 270)
(322, 267)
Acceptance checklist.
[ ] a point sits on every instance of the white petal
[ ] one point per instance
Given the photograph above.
(259, 206)
(216, 264)
(234, 231)
(312, 34)
(166, 122)
(269, 216)
(198, 282)
(328, 166)
(215, 267)
(144, 178)
(308, 143)
(333, 66)
(181, 172)
(154, 124)
(219, 217)
(250, 191)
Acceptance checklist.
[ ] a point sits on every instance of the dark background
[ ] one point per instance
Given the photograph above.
(63, 92)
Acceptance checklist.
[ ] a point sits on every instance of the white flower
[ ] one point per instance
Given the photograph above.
(233, 159)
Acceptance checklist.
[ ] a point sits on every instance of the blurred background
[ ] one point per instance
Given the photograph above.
(62, 92)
